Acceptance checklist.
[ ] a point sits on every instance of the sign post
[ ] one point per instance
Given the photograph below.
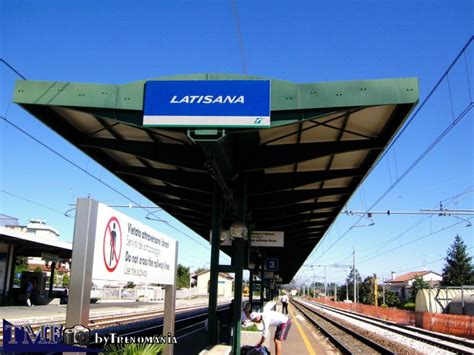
(82, 260)
(108, 245)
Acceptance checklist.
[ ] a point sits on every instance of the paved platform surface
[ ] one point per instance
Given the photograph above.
(303, 337)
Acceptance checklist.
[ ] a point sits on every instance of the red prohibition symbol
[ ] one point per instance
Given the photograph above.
(112, 245)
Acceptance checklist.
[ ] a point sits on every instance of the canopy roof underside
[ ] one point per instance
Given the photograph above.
(324, 139)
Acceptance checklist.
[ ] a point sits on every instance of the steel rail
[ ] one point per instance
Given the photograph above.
(407, 331)
(339, 343)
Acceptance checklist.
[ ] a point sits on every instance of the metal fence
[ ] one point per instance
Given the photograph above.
(140, 293)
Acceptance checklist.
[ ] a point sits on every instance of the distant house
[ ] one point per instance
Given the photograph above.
(402, 285)
(224, 288)
(35, 264)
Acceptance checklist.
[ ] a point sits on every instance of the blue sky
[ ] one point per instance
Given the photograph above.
(305, 41)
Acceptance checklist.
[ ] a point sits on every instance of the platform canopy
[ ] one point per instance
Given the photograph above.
(30, 245)
(295, 176)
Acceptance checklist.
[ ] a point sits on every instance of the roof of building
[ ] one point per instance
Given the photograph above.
(7, 220)
(411, 276)
(31, 245)
(296, 175)
(46, 268)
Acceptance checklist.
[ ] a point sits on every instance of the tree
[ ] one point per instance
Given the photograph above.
(350, 283)
(183, 277)
(21, 264)
(391, 299)
(418, 284)
(458, 269)
(66, 280)
(366, 292)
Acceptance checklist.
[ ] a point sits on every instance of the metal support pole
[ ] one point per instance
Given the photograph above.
(251, 287)
(11, 280)
(347, 290)
(355, 278)
(325, 285)
(51, 279)
(335, 292)
(170, 305)
(239, 258)
(383, 290)
(8, 270)
(215, 241)
(376, 291)
(82, 260)
(85, 226)
(262, 274)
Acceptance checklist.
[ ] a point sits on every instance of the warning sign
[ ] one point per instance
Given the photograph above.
(112, 244)
(127, 250)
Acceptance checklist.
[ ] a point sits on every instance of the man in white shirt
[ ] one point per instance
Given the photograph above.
(269, 318)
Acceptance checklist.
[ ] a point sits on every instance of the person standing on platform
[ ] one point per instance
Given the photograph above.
(269, 318)
(29, 291)
(284, 304)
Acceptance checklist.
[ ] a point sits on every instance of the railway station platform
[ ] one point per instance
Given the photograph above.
(302, 339)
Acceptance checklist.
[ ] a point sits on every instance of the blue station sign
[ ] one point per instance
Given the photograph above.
(207, 103)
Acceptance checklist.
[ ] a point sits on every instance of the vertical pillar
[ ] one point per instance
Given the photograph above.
(9, 268)
(11, 280)
(51, 279)
(251, 287)
(82, 260)
(239, 258)
(170, 305)
(376, 291)
(214, 272)
(262, 278)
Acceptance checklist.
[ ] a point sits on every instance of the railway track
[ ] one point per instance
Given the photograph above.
(440, 341)
(345, 339)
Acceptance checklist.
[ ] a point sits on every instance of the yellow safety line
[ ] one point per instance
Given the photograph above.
(303, 335)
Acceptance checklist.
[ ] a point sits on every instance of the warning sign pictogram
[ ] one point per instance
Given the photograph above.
(112, 245)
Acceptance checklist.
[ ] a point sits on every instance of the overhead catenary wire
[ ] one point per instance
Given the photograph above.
(409, 169)
(31, 201)
(96, 178)
(414, 240)
(5, 119)
(424, 154)
(418, 222)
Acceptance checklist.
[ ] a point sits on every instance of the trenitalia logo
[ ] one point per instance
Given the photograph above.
(207, 99)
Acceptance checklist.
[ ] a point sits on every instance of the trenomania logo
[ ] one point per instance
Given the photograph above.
(49, 338)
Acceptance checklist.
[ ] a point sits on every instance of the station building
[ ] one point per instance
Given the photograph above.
(225, 283)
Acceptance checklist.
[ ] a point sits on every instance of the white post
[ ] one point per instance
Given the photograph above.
(383, 289)
(77, 311)
(325, 285)
(355, 277)
(170, 304)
